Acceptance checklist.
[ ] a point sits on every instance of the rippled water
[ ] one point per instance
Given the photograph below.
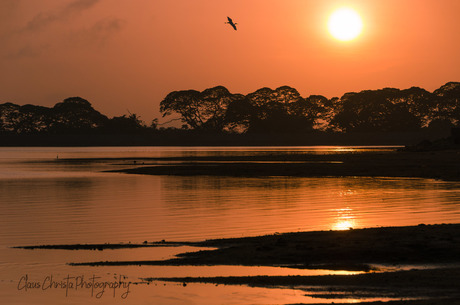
(44, 200)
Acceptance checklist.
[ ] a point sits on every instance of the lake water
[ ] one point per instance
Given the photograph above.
(47, 199)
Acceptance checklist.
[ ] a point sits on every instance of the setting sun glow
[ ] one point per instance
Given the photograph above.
(345, 24)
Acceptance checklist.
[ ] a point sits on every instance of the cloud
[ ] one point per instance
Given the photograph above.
(44, 19)
(68, 27)
(100, 32)
(7, 7)
(9, 10)
(80, 5)
(27, 52)
(96, 35)
(108, 26)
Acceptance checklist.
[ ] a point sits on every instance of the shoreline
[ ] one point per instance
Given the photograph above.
(444, 165)
(422, 244)
(436, 246)
(417, 287)
(191, 138)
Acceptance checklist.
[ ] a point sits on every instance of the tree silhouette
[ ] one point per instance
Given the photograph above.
(200, 110)
(282, 110)
(374, 110)
(124, 124)
(321, 111)
(446, 106)
(75, 114)
(271, 111)
(23, 119)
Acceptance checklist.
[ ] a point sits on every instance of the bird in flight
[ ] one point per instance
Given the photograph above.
(230, 21)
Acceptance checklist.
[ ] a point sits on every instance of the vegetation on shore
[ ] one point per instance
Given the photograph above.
(265, 117)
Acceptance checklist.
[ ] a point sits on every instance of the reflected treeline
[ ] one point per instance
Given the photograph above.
(265, 111)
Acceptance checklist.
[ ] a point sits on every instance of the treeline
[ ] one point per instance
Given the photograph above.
(265, 111)
(284, 110)
(74, 115)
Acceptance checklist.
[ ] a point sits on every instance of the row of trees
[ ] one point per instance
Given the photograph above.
(282, 110)
(285, 110)
(73, 115)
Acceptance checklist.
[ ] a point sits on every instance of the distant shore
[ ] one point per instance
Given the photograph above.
(193, 138)
(443, 165)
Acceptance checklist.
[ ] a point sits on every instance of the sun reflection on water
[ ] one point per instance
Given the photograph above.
(345, 220)
(344, 149)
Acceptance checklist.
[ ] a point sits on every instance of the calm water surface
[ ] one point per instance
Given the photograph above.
(45, 200)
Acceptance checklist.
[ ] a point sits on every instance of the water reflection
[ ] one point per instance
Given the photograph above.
(345, 220)
(57, 202)
(117, 207)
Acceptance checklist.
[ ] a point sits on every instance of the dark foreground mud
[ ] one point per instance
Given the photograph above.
(346, 250)
(435, 284)
(433, 251)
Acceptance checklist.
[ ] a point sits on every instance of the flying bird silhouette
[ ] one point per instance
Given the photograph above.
(230, 21)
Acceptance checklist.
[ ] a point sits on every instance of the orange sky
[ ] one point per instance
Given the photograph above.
(127, 55)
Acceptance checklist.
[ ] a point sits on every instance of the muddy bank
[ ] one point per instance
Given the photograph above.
(345, 250)
(433, 251)
(437, 165)
(425, 279)
(437, 301)
(409, 284)
(107, 246)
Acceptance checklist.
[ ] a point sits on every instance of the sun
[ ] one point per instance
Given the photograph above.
(345, 24)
